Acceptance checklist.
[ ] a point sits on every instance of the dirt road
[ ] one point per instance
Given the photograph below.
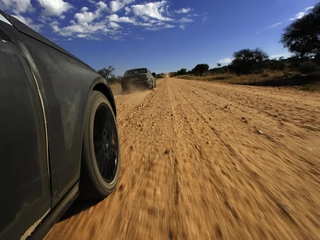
(211, 161)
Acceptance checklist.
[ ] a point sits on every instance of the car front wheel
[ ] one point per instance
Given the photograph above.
(100, 152)
(124, 87)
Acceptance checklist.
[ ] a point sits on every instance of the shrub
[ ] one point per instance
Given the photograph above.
(307, 67)
(222, 76)
(265, 75)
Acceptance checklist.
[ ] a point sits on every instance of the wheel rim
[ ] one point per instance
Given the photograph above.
(106, 142)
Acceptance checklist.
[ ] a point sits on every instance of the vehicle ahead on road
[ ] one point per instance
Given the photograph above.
(137, 77)
(58, 132)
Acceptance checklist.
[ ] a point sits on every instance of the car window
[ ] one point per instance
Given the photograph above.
(3, 19)
(135, 71)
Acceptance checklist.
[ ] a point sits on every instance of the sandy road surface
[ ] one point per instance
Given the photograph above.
(211, 161)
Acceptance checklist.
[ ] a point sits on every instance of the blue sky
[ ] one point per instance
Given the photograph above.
(161, 35)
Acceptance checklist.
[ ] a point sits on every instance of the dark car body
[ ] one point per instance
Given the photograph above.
(43, 96)
(138, 77)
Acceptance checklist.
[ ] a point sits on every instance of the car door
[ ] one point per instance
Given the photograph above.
(24, 174)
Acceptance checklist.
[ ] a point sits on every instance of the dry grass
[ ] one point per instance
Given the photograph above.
(311, 87)
(210, 77)
(267, 78)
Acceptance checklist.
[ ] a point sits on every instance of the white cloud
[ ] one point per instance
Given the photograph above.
(116, 18)
(81, 35)
(102, 5)
(146, 19)
(149, 25)
(226, 60)
(160, 26)
(96, 18)
(151, 10)
(128, 10)
(86, 24)
(298, 16)
(16, 6)
(116, 5)
(85, 17)
(114, 25)
(162, 10)
(167, 10)
(269, 27)
(309, 8)
(204, 19)
(183, 10)
(77, 28)
(169, 26)
(186, 20)
(116, 37)
(275, 25)
(29, 22)
(54, 7)
(301, 14)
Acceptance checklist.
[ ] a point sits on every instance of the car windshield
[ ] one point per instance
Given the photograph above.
(135, 71)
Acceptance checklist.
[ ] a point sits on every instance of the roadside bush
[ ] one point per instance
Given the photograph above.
(265, 75)
(222, 76)
(316, 75)
(307, 67)
(161, 75)
(317, 58)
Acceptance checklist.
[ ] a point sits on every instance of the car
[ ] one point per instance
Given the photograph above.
(138, 77)
(58, 133)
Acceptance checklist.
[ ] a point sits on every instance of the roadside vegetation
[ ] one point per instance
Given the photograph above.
(108, 74)
(254, 67)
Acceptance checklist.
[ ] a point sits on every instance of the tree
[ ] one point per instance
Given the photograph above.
(302, 37)
(317, 58)
(107, 72)
(248, 61)
(200, 69)
(275, 64)
(218, 65)
(182, 71)
(256, 55)
(160, 75)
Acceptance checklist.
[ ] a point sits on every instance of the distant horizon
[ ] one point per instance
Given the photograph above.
(163, 36)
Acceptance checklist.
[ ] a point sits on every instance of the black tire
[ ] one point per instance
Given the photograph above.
(100, 165)
(124, 87)
(152, 86)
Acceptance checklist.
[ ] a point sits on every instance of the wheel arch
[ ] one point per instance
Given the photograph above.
(102, 86)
